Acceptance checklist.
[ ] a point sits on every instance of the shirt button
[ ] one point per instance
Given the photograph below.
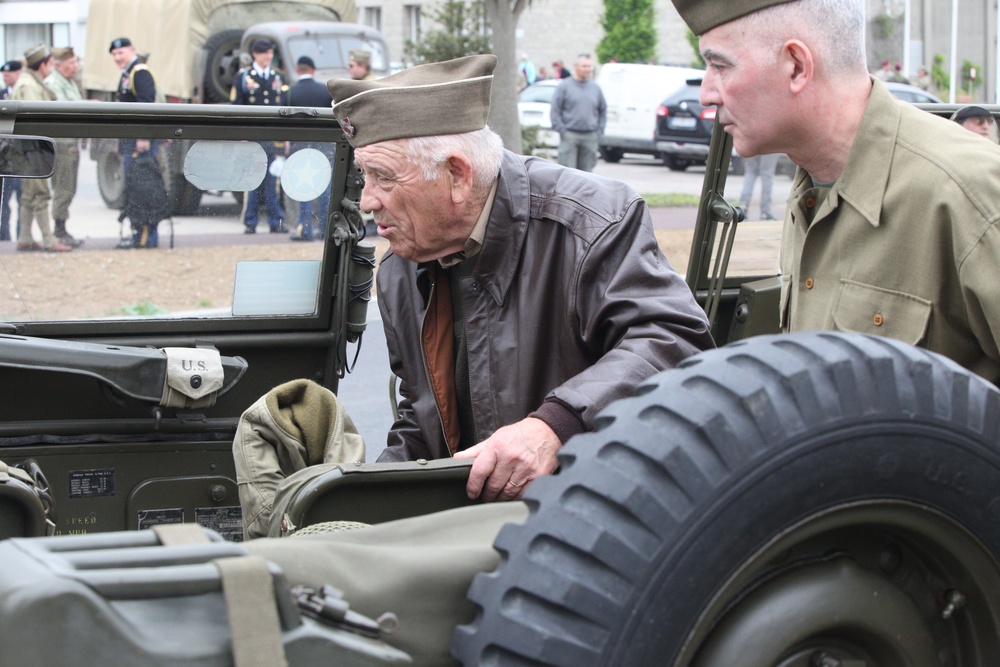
(809, 283)
(810, 202)
(877, 320)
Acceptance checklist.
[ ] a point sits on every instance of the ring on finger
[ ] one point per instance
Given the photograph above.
(511, 482)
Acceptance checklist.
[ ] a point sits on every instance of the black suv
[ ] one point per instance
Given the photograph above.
(684, 128)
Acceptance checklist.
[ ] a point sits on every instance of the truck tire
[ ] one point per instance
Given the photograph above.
(110, 173)
(184, 197)
(807, 499)
(222, 60)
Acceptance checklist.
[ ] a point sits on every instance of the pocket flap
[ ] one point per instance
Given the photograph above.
(868, 309)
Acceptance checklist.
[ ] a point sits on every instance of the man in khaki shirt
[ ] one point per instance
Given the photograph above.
(891, 226)
(62, 82)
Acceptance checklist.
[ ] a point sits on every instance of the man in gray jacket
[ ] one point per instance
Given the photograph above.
(579, 113)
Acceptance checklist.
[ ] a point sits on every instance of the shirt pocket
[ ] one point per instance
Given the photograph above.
(882, 312)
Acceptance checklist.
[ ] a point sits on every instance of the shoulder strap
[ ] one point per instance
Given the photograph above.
(131, 75)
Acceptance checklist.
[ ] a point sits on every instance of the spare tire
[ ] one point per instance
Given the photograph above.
(808, 499)
(222, 61)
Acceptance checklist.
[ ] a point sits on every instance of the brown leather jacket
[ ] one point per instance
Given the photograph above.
(571, 304)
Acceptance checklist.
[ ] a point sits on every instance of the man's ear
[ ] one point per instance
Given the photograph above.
(798, 65)
(460, 174)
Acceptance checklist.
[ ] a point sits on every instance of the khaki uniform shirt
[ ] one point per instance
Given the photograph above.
(29, 86)
(906, 243)
(63, 88)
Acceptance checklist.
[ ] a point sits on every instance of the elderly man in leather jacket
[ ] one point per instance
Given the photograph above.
(519, 297)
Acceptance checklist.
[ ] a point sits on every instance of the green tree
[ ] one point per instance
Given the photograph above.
(939, 75)
(629, 31)
(461, 32)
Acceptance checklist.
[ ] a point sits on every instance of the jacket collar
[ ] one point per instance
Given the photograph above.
(863, 183)
(507, 229)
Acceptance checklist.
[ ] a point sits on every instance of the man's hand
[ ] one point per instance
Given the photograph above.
(507, 461)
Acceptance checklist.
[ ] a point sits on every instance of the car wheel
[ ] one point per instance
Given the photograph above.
(807, 499)
(110, 173)
(612, 155)
(675, 163)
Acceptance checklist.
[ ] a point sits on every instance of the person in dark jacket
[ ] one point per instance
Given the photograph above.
(519, 298)
(307, 92)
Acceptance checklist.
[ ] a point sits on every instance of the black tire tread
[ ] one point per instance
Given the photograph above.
(572, 567)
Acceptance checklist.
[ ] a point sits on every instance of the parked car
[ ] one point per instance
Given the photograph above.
(632, 93)
(533, 106)
(912, 94)
(684, 131)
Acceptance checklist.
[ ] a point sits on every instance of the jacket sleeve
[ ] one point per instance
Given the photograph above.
(555, 110)
(145, 86)
(643, 320)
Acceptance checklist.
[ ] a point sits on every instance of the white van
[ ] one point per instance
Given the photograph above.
(632, 93)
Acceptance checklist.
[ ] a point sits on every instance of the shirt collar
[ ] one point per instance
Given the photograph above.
(475, 241)
(262, 71)
(866, 174)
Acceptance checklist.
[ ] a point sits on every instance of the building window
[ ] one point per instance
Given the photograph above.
(18, 37)
(411, 27)
(373, 17)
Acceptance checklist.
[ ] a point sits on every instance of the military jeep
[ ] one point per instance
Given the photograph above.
(811, 499)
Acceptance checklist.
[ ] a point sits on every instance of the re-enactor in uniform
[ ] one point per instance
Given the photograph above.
(262, 85)
(519, 298)
(62, 82)
(891, 225)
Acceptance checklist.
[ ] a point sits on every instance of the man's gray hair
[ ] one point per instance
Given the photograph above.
(833, 29)
(484, 148)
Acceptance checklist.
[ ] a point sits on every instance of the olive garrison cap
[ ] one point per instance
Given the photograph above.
(361, 56)
(450, 97)
(703, 15)
(120, 43)
(36, 54)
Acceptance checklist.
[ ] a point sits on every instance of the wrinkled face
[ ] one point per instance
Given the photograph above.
(583, 69)
(264, 58)
(356, 70)
(123, 56)
(68, 67)
(414, 215)
(745, 93)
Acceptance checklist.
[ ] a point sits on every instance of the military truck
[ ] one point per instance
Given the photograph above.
(194, 48)
(804, 499)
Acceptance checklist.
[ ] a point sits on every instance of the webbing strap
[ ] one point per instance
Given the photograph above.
(173, 534)
(254, 627)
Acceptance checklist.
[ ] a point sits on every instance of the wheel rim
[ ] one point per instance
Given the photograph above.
(867, 585)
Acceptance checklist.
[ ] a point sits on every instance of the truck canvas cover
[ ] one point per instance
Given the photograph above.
(174, 31)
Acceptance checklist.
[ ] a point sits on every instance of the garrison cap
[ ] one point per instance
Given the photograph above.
(261, 46)
(36, 54)
(306, 61)
(362, 56)
(120, 43)
(703, 15)
(11, 66)
(62, 53)
(449, 97)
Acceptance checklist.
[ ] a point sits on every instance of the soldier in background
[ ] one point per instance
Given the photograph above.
(360, 65)
(262, 85)
(35, 193)
(10, 70)
(308, 92)
(62, 82)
